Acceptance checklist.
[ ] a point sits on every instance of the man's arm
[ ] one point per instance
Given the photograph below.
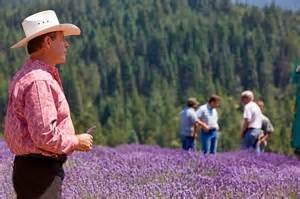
(267, 128)
(202, 125)
(197, 123)
(194, 131)
(200, 122)
(264, 137)
(41, 116)
(244, 127)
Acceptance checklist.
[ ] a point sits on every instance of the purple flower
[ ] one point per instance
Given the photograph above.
(140, 171)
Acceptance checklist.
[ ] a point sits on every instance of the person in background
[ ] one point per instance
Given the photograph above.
(208, 114)
(267, 128)
(252, 122)
(188, 124)
(38, 125)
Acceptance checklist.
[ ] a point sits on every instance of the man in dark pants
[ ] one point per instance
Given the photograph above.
(188, 124)
(38, 125)
(38, 177)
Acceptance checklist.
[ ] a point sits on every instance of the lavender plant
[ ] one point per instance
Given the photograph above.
(136, 171)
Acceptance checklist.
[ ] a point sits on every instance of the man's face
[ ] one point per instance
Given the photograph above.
(261, 105)
(196, 106)
(215, 104)
(58, 49)
(245, 100)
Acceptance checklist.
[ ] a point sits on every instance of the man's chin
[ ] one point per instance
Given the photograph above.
(62, 61)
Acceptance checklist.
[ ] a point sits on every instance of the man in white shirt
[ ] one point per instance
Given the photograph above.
(252, 122)
(209, 115)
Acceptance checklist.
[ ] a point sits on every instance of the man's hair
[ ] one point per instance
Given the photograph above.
(36, 43)
(260, 103)
(248, 94)
(214, 98)
(192, 102)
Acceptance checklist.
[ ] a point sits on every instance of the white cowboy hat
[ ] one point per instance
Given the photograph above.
(42, 23)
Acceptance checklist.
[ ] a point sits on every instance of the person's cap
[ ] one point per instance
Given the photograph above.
(192, 102)
(42, 23)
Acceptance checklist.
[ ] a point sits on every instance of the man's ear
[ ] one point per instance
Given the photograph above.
(47, 41)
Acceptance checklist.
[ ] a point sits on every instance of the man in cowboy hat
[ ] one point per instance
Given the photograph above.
(38, 125)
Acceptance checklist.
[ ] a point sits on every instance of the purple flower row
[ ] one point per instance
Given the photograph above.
(137, 171)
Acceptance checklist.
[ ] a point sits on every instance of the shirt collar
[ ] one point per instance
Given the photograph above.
(209, 107)
(32, 64)
(36, 63)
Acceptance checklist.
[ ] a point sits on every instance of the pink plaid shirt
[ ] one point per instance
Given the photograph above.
(38, 116)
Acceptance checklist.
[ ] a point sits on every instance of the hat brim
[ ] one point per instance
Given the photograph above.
(67, 29)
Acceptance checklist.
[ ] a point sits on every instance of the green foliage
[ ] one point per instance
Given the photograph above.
(136, 62)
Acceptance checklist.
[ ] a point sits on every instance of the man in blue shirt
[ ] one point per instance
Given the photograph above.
(188, 124)
(209, 115)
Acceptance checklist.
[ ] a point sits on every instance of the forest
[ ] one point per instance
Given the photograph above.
(136, 62)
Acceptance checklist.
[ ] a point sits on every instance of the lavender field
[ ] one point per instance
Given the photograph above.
(136, 171)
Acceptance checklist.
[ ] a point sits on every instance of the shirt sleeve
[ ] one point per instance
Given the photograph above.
(217, 115)
(270, 128)
(193, 116)
(42, 117)
(200, 113)
(247, 113)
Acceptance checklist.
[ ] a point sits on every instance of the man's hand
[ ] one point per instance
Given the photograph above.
(262, 142)
(85, 142)
(244, 127)
(242, 134)
(206, 128)
(203, 125)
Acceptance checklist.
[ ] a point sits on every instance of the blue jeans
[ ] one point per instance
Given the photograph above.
(250, 139)
(188, 142)
(209, 141)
